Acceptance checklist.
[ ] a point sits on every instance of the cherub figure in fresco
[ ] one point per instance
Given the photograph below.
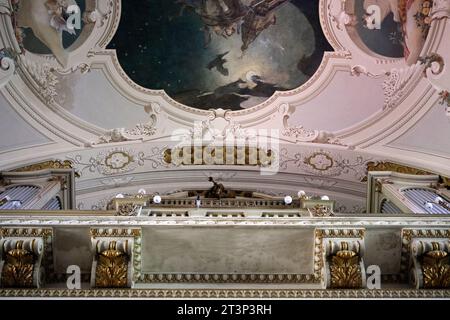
(47, 20)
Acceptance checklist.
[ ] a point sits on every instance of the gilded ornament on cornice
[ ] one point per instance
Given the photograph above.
(180, 293)
(407, 238)
(23, 232)
(18, 268)
(229, 278)
(46, 234)
(95, 233)
(446, 182)
(52, 164)
(436, 269)
(221, 155)
(321, 211)
(127, 209)
(340, 233)
(394, 167)
(345, 270)
(320, 234)
(112, 268)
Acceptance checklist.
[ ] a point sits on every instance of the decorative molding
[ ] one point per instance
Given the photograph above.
(324, 163)
(321, 211)
(396, 84)
(394, 167)
(408, 237)
(227, 293)
(340, 17)
(39, 242)
(355, 209)
(118, 160)
(132, 248)
(7, 67)
(44, 77)
(218, 128)
(339, 272)
(140, 132)
(300, 134)
(128, 209)
(112, 266)
(346, 269)
(430, 263)
(433, 64)
(440, 10)
(20, 262)
(46, 165)
(228, 278)
(334, 222)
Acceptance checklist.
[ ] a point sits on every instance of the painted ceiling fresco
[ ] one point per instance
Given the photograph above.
(386, 41)
(404, 26)
(229, 54)
(38, 45)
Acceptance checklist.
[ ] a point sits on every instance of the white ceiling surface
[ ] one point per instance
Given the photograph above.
(431, 134)
(16, 133)
(92, 98)
(342, 104)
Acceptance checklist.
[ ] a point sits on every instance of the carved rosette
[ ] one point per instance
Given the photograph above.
(116, 254)
(339, 258)
(430, 265)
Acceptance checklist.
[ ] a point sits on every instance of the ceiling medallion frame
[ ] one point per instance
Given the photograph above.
(92, 54)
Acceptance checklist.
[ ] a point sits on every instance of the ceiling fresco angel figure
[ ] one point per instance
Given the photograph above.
(47, 19)
(228, 17)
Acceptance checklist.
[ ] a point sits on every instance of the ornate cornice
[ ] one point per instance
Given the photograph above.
(45, 233)
(229, 278)
(46, 165)
(226, 294)
(394, 167)
(320, 222)
(408, 235)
